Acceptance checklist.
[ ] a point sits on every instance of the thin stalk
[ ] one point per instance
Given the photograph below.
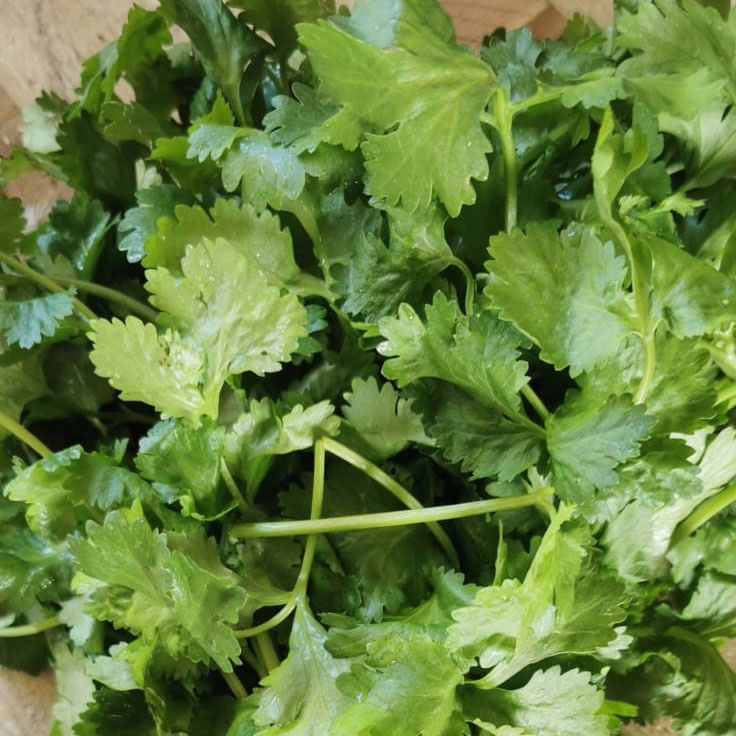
(253, 661)
(384, 520)
(235, 685)
(703, 513)
(45, 624)
(537, 404)
(646, 333)
(24, 435)
(266, 651)
(469, 284)
(46, 283)
(300, 588)
(504, 122)
(232, 485)
(727, 393)
(394, 488)
(112, 295)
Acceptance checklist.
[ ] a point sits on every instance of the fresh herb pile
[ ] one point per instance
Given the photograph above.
(372, 385)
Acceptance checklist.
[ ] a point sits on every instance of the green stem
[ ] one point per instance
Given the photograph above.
(727, 393)
(253, 661)
(504, 122)
(13, 632)
(300, 588)
(235, 685)
(469, 284)
(639, 287)
(703, 513)
(112, 295)
(24, 435)
(394, 488)
(537, 404)
(232, 485)
(266, 651)
(384, 520)
(46, 283)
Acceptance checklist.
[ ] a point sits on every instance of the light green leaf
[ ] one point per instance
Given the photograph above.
(265, 431)
(423, 97)
(300, 697)
(163, 595)
(12, 223)
(71, 486)
(553, 702)
(74, 689)
(258, 237)
(384, 422)
(565, 605)
(565, 292)
(407, 686)
(271, 174)
(159, 369)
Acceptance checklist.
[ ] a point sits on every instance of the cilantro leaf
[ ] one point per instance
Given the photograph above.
(161, 594)
(222, 43)
(452, 347)
(587, 441)
(27, 322)
(406, 685)
(561, 703)
(301, 696)
(444, 108)
(564, 292)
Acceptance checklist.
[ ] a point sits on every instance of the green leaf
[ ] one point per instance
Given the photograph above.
(30, 570)
(139, 225)
(690, 296)
(184, 464)
(710, 547)
(138, 45)
(271, 174)
(71, 486)
(258, 237)
(163, 595)
(20, 383)
(484, 442)
(76, 230)
(126, 713)
(25, 323)
(564, 605)
(552, 702)
(659, 31)
(266, 430)
(306, 121)
(681, 395)
(278, 18)
(479, 354)
(587, 441)
(300, 697)
(407, 686)
(215, 329)
(685, 678)
(384, 422)
(419, 125)
(565, 292)
(222, 43)
(712, 608)
(133, 122)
